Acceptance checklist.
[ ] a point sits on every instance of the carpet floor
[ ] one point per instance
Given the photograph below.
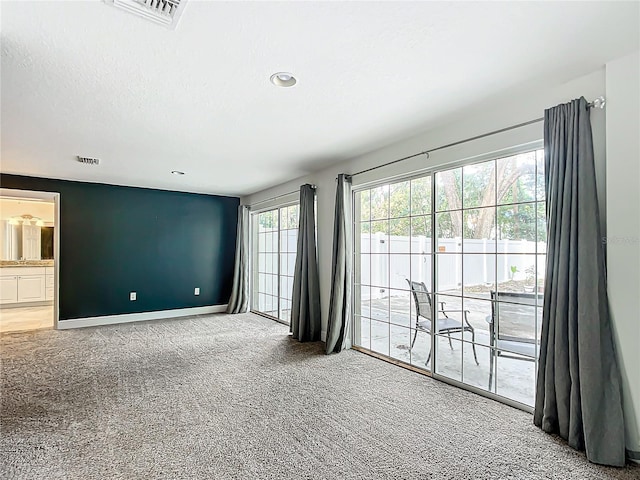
(233, 397)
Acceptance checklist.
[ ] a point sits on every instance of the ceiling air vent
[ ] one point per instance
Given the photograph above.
(164, 12)
(88, 160)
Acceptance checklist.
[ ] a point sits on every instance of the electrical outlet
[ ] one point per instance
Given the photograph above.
(196, 291)
(133, 296)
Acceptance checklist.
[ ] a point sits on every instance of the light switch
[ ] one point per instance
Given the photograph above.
(196, 291)
(132, 296)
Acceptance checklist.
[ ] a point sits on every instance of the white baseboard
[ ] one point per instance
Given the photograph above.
(139, 317)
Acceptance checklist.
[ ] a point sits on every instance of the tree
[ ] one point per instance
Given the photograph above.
(510, 180)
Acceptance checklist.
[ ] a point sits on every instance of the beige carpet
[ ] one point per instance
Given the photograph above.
(222, 397)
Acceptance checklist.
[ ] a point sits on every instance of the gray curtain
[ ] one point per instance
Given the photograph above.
(340, 302)
(305, 302)
(239, 301)
(578, 388)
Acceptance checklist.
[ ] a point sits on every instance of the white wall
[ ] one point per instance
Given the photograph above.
(493, 116)
(617, 138)
(623, 229)
(12, 207)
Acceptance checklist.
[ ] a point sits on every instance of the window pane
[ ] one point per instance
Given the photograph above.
(284, 288)
(540, 175)
(516, 177)
(379, 304)
(449, 363)
(421, 227)
(399, 199)
(361, 300)
(479, 229)
(480, 316)
(380, 202)
(449, 190)
(362, 332)
(540, 274)
(515, 323)
(363, 205)
(421, 196)
(516, 273)
(449, 231)
(400, 307)
(380, 270)
(515, 379)
(542, 227)
(479, 275)
(421, 269)
(399, 342)
(421, 348)
(379, 236)
(399, 265)
(473, 374)
(448, 273)
(363, 269)
(291, 264)
(380, 337)
(479, 186)
(294, 213)
(399, 229)
(517, 228)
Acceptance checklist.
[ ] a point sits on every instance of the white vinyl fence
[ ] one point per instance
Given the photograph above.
(387, 261)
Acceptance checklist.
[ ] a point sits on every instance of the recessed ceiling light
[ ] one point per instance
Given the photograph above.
(177, 172)
(283, 79)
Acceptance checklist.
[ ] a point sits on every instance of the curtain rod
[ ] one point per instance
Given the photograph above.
(278, 196)
(597, 103)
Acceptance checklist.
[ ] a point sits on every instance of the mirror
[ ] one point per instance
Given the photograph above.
(26, 229)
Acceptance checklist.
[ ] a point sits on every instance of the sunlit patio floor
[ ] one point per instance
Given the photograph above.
(392, 334)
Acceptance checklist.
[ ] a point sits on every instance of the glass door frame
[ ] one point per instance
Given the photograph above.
(431, 172)
(254, 259)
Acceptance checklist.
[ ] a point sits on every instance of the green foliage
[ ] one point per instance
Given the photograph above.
(514, 270)
(465, 201)
(283, 218)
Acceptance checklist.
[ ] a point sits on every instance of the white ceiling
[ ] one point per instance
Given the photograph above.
(86, 78)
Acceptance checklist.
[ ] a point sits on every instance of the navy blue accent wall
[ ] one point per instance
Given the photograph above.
(160, 244)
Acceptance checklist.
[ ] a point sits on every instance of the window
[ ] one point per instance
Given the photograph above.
(275, 238)
(475, 237)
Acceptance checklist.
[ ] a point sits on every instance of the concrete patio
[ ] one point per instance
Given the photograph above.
(387, 327)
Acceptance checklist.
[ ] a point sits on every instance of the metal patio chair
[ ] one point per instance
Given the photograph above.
(444, 323)
(511, 346)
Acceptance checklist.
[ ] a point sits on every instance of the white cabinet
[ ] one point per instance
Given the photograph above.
(31, 288)
(8, 289)
(48, 285)
(31, 241)
(26, 284)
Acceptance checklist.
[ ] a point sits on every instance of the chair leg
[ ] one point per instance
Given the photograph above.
(428, 358)
(450, 344)
(491, 360)
(473, 345)
(414, 339)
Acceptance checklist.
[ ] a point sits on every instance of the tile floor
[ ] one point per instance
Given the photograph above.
(16, 319)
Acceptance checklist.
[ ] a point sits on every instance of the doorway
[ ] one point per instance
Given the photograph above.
(274, 245)
(29, 260)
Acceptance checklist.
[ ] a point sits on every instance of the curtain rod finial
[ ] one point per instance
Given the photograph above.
(598, 102)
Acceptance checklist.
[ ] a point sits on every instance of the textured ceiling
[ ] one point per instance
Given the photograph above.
(86, 78)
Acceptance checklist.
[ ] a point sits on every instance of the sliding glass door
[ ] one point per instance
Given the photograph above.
(477, 281)
(274, 242)
(392, 246)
